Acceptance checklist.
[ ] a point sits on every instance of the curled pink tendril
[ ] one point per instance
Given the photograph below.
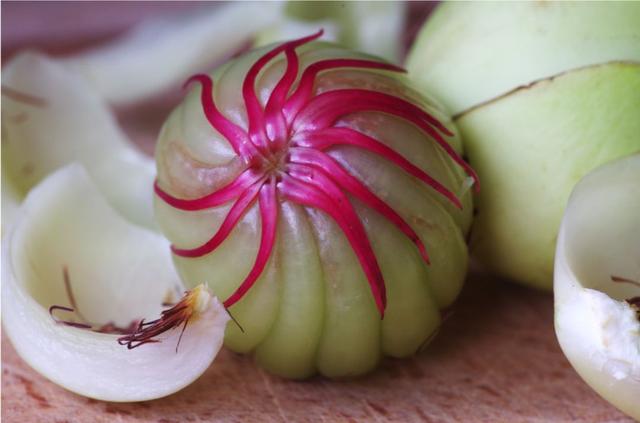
(285, 151)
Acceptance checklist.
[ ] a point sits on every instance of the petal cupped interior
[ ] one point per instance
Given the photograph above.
(70, 249)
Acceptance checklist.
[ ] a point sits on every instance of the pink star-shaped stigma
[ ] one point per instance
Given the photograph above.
(284, 149)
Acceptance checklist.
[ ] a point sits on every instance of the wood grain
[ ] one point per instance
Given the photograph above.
(496, 359)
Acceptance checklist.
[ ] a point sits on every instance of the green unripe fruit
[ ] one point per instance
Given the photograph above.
(542, 93)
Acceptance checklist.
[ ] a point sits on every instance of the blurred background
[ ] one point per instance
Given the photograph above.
(60, 27)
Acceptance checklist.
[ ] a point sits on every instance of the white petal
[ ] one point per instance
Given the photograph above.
(118, 272)
(164, 52)
(599, 238)
(52, 117)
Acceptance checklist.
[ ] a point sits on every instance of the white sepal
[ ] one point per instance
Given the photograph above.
(118, 272)
(598, 330)
(51, 117)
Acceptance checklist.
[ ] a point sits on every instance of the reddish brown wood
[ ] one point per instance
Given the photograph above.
(495, 360)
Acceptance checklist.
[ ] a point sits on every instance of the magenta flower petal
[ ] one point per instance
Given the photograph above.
(237, 211)
(216, 198)
(328, 137)
(324, 109)
(350, 183)
(269, 216)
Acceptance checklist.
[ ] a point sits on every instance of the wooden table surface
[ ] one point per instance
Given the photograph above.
(496, 358)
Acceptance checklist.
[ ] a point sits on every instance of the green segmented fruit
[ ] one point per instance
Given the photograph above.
(322, 199)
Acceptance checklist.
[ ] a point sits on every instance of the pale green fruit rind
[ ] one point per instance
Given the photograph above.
(468, 53)
(598, 332)
(428, 156)
(351, 335)
(412, 315)
(574, 122)
(312, 309)
(223, 270)
(69, 122)
(425, 155)
(118, 272)
(257, 311)
(289, 350)
(438, 231)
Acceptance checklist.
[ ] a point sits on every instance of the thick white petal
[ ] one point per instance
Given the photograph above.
(52, 117)
(118, 272)
(599, 238)
(164, 52)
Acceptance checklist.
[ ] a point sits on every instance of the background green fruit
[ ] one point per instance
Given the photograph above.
(468, 53)
(542, 93)
(583, 118)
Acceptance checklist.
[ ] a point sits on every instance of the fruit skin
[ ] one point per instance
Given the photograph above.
(468, 53)
(497, 67)
(580, 120)
(312, 310)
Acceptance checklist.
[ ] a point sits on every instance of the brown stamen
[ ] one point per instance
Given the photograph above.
(176, 316)
(66, 322)
(138, 332)
(70, 296)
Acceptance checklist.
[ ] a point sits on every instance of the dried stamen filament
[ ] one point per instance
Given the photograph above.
(109, 327)
(192, 303)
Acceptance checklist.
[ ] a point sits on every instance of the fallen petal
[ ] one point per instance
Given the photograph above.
(596, 272)
(52, 117)
(118, 273)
